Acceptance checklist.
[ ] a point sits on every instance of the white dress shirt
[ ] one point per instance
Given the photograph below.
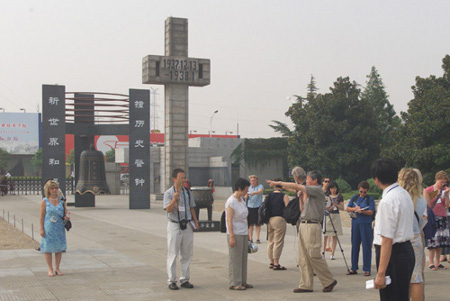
(395, 216)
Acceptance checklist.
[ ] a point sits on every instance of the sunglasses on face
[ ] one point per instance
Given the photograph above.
(363, 192)
(326, 181)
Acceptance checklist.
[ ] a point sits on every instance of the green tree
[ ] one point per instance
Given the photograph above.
(312, 88)
(4, 158)
(387, 120)
(111, 155)
(281, 128)
(335, 133)
(71, 158)
(423, 139)
(37, 158)
(344, 187)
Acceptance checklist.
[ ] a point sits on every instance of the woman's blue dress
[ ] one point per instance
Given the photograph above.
(55, 233)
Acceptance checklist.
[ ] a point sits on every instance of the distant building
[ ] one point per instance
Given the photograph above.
(20, 136)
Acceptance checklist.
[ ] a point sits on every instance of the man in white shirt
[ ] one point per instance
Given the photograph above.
(392, 233)
(180, 207)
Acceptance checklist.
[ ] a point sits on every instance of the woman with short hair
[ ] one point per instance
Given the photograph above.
(364, 207)
(236, 213)
(276, 201)
(254, 202)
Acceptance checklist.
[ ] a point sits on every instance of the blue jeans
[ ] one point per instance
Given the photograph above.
(362, 234)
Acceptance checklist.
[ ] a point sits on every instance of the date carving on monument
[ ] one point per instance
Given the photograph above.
(180, 64)
(173, 69)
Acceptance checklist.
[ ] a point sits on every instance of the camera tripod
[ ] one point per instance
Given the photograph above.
(324, 230)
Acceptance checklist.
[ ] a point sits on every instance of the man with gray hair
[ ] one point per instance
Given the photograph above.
(299, 174)
(312, 206)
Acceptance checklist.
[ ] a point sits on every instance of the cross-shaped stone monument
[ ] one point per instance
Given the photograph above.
(176, 71)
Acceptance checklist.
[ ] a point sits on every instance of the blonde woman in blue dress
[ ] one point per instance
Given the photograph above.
(53, 234)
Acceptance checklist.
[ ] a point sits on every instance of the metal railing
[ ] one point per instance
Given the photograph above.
(33, 186)
(29, 231)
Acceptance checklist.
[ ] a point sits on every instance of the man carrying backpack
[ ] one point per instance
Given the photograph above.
(312, 207)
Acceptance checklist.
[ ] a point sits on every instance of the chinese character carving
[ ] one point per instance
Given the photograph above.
(139, 104)
(53, 101)
(139, 182)
(139, 143)
(53, 142)
(53, 162)
(139, 162)
(53, 121)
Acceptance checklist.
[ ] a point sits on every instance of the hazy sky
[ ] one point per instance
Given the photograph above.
(261, 51)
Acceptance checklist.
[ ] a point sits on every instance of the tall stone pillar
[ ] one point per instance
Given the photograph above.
(177, 72)
(176, 103)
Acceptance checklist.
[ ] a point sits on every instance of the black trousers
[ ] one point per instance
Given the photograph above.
(400, 269)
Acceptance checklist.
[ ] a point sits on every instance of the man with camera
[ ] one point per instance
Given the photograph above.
(180, 207)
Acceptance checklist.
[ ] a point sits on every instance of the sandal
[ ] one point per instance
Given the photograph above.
(443, 259)
(351, 272)
(442, 267)
(432, 267)
(246, 285)
(238, 288)
(366, 274)
(271, 266)
(279, 268)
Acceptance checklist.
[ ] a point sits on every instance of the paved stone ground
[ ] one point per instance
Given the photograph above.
(119, 254)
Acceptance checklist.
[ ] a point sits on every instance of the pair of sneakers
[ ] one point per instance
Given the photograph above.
(174, 286)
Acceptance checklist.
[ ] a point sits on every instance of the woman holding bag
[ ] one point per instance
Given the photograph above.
(53, 233)
(236, 213)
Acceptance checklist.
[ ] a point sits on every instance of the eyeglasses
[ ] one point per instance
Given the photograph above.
(363, 192)
(326, 181)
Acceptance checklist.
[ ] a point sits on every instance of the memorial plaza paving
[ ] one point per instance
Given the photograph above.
(119, 254)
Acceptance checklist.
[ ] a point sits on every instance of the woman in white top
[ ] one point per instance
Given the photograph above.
(237, 236)
(411, 180)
